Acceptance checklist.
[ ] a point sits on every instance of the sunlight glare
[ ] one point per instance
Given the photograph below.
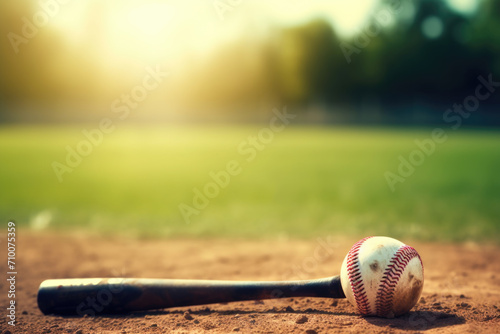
(121, 33)
(465, 6)
(152, 20)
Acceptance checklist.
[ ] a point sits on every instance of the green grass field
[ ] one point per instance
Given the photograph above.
(307, 181)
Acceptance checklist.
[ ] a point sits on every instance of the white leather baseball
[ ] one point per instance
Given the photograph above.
(382, 276)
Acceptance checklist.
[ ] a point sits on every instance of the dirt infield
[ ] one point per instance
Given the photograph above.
(461, 291)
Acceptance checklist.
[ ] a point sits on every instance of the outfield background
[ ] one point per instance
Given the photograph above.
(307, 182)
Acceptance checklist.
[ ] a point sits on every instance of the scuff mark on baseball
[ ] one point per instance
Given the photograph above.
(382, 276)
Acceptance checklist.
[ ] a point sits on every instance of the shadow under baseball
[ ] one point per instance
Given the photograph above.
(419, 320)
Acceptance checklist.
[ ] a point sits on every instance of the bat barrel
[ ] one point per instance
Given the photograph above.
(94, 296)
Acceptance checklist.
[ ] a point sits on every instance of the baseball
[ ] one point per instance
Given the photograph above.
(382, 276)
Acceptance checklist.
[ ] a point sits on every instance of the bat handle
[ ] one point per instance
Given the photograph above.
(96, 296)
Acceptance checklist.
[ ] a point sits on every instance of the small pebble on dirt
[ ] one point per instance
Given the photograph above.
(236, 329)
(301, 319)
(289, 309)
(311, 331)
(188, 316)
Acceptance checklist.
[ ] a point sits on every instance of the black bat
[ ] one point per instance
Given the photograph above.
(96, 296)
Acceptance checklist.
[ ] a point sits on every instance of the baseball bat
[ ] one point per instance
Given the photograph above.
(95, 296)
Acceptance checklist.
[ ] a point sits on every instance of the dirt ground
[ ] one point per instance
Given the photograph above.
(461, 291)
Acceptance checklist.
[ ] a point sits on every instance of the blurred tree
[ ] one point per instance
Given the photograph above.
(40, 71)
(483, 34)
(313, 67)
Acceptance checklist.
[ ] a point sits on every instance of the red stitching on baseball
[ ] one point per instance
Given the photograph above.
(390, 279)
(355, 279)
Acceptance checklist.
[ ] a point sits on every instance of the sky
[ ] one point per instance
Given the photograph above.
(151, 30)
